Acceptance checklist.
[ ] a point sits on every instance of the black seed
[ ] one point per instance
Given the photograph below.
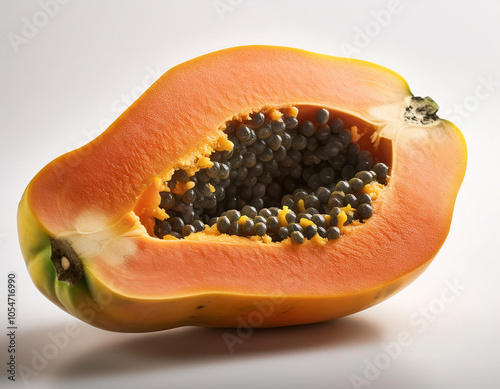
(348, 172)
(381, 170)
(323, 194)
(177, 224)
(264, 132)
(213, 171)
(248, 227)
(345, 136)
(181, 176)
(167, 200)
(257, 119)
(280, 154)
(259, 219)
(188, 217)
(322, 116)
(338, 162)
(274, 211)
(314, 182)
(364, 198)
(331, 149)
(364, 176)
(234, 228)
(303, 215)
(311, 211)
(327, 175)
(272, 167)
(343, 186)
(266, 155)
(260, 228)
(273, 224)
(266, 178)
(249, 211)
(336, 125)
(282, 233)
(187, 230)
(361, 166)
(310, 231)
(230, 127)
(323, 132)
(296, 171)
(189, 196)
(352, 200)
(245, 193)
(333, 233)
(258, 203)
(299, 142)
(286, 140)
(290, 217)
(176, 235)
(290, 122)
(294, 227)
(299, 194)
(243, 133)
(198, 225)
(210, 201)
(164, 227)
(364, 211)
(319, 220)
(356, 184)
(297, 237)
(312, 143)
(226, 154)
(236, 161)
(353, 149)
(256, 170)
(306, 128)
(220, 193)
(233, 215)
(278, 127)
(250, 182)
(274, 142)
(336, 199)
(312, 201)
(259, 146)
(333, 215)
(265, 213)
(223, 171)
(288, 201)
(259, 190)
(241, 173)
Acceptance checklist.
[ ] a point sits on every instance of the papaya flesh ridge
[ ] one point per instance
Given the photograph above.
(133, 282)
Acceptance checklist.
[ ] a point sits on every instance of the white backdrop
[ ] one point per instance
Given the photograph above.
(69, 68)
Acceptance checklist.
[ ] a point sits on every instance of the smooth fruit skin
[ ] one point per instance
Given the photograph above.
(183, 282)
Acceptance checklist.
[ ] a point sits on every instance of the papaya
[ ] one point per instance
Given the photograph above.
(261, 185)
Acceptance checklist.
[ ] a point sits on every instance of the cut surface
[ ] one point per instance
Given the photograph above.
(102, 199)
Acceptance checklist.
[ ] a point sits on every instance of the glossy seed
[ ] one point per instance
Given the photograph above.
(322, 116)
(249, 211)
(187, 230)
(167, 200)
(283, 233)
(319, 220)
(273, 224)
(333, 233)
(356, 184)
(364, 198)
(177, 224)
(380, 170)
(198, 225)
(364, 211)
(310, 231)
(260, 229)
(306, 128)
(297, 237)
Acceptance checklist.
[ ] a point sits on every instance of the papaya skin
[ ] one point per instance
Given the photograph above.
(88, 196)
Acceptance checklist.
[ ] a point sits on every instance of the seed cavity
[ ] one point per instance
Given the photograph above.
(276, 178)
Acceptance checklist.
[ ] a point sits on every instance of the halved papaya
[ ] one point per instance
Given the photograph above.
(166, 219)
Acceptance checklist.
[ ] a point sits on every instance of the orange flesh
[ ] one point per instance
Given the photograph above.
(171, 121)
